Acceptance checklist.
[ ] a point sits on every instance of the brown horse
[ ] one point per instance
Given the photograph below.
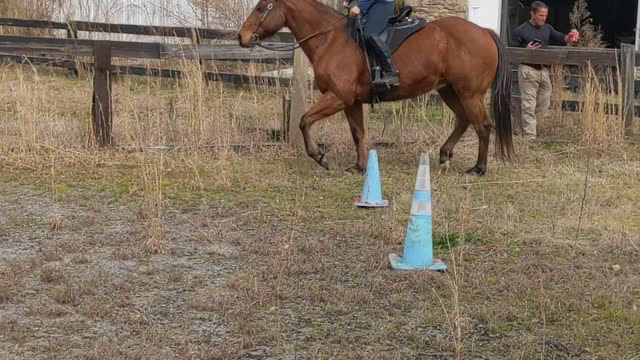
(451, 55)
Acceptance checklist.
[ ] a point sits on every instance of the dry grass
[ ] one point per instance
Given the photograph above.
(557, 117)
(52, 273)
(26, 9)
(147, 113)
(600, 127)
(596, 123)
(199, 252)
(295, 269)
(152, 211)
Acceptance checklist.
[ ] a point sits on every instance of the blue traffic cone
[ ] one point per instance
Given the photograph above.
(371, 195)
(418, 245)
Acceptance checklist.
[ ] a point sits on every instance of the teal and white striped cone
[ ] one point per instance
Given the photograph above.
(371, 195)
(418, 245)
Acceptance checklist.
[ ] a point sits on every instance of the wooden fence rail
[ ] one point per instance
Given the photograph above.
(46, 47)
(567, 56)
(225, 77)
(43, 46)
(165, 31)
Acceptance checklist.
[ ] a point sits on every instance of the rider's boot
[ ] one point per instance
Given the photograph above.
(390, 75)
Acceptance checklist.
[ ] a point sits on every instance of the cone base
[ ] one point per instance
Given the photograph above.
(359, 203)
(398, 264)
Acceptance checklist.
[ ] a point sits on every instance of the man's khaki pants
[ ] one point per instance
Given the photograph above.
(535, 93)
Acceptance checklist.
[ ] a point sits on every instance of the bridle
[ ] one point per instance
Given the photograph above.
(254, 35)
(255, 39)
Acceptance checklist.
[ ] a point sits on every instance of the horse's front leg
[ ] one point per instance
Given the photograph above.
(356, 124)
(328, 105)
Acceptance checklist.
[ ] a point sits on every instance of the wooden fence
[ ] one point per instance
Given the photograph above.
(54, 51)
(623, 61)
(47, 50)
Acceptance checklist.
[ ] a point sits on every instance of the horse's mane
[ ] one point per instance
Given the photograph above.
(349, 23)
(347, 27)
(327, 7)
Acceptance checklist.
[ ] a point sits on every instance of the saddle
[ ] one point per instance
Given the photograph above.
(399, 28)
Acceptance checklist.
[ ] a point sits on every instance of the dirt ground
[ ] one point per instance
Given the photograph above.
(114, 255)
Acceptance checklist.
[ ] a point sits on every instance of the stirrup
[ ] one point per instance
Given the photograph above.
(387, 82)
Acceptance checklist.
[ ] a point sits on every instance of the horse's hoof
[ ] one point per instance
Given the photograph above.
(324, 162)
(445, 156)
(445, 166)
(475, 171)
(354, 170)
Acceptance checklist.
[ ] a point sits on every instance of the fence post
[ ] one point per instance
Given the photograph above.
(101, 108)
(637, 28)
(72, 33)
(299, 91)
(286, 116)
(196, 39)
(627, 72)
(516, 101)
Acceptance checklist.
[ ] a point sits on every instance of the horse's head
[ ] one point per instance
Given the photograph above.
(265, 20)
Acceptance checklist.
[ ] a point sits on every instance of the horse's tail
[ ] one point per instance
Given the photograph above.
(501, 101)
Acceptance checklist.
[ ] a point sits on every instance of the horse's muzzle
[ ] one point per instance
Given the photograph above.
(247, 41)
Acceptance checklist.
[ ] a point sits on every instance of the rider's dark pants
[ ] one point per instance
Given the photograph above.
(375, 20)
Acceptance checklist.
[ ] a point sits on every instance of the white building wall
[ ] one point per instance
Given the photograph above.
(485, 13)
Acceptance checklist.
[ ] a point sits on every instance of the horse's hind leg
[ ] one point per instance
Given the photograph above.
(328, 105)
(452, 100)
(474, 108)
(356, 124)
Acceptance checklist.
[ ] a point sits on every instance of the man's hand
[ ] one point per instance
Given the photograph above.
(354, 11)
(533, 45)
(573, 36)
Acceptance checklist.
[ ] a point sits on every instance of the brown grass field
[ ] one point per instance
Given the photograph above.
(199, 252)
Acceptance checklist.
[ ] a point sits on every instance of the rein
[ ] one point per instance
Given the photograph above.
(286, 47)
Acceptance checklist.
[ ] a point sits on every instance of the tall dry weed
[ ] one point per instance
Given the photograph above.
(193, 96)
(222, 13)
(152, 169)
(27, 9)
(455, 312)
(557, 116)
(27, 114)
(40, 109)
(581, 20)
(599, 123)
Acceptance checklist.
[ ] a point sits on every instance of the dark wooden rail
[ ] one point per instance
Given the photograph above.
(47, 47)
(567, 56)
(168, 31)
(225, 77)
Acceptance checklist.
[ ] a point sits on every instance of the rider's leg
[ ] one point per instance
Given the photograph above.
(376, 19)
(389, 70)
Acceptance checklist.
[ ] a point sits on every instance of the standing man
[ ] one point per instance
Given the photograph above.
(534, 81)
